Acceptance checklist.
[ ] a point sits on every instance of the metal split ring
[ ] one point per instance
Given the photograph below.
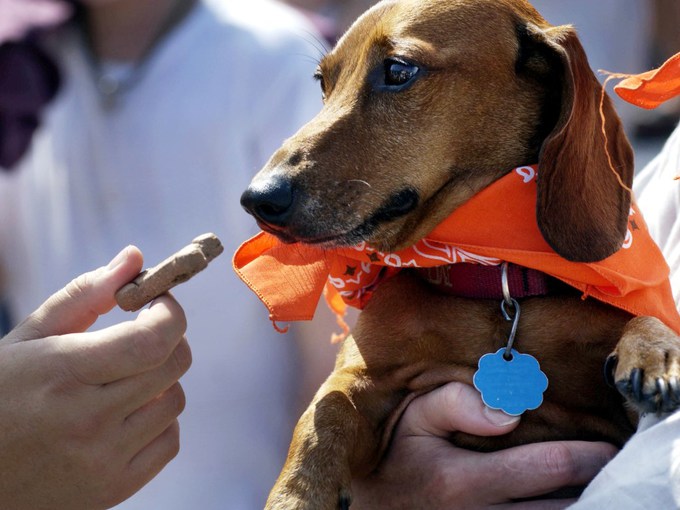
(509, 315)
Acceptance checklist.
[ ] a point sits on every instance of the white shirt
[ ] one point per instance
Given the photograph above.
(646, 473)
(659, 199)
(168, 163)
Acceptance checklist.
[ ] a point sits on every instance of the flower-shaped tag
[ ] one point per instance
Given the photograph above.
(514, 385)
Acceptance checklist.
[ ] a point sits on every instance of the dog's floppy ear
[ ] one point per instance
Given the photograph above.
(584, 194)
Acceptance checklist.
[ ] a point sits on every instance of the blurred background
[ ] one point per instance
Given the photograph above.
(141, 121)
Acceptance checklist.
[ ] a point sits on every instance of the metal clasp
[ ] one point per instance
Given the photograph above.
(510, 309)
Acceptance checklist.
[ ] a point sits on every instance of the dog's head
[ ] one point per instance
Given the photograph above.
(428, 101)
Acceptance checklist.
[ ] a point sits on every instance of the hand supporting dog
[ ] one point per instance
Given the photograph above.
(422, 469)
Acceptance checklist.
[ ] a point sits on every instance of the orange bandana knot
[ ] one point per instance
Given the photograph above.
(290, 278)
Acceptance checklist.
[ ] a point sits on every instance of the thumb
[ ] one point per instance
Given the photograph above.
(454, 407)
(77, 306)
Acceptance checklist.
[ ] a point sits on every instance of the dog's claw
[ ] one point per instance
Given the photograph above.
(609, 370)
(664, 394)
(344, 502)
(636, 378)
(674, 388)
(632, 386)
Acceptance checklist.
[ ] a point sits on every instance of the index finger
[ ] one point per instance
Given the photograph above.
(128, 348)
(77, 306)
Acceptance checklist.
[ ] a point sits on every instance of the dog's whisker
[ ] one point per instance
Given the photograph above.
(360, 181)
(307, 58)
(318, 44)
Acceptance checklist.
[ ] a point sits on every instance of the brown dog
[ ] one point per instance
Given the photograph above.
(427, 102)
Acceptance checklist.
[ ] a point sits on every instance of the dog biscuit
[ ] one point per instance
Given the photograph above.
(176, 269)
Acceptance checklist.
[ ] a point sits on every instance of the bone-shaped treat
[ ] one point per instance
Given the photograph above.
(176, 269)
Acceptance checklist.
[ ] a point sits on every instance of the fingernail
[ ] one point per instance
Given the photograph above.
(499, 418)
(118, 259)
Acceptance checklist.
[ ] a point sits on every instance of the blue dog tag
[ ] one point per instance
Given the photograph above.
(512, 385)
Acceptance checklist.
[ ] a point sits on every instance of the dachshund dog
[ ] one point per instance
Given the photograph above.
(426, 104)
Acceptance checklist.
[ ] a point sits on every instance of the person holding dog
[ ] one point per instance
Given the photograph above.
(423, 466)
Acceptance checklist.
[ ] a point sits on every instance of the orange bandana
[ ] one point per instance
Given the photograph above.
(650, 89)
(290, 278)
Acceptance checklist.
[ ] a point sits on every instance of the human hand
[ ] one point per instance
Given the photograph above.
(88, 418)
(424, 470)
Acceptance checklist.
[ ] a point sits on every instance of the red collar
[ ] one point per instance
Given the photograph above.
(478, 281)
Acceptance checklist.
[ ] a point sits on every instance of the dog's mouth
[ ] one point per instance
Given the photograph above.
(326, 226)
(342, 239)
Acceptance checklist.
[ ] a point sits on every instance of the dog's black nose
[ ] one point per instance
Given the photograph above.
(269, 201)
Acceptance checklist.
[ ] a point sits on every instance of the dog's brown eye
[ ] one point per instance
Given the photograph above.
(399, 73)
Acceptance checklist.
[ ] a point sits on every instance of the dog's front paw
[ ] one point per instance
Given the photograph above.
(311, 499)
(645, 367)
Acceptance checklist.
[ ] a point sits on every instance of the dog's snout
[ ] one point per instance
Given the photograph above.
(270, 201)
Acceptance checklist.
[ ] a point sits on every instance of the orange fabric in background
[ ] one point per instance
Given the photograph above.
(650, 89)
(290, 278)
